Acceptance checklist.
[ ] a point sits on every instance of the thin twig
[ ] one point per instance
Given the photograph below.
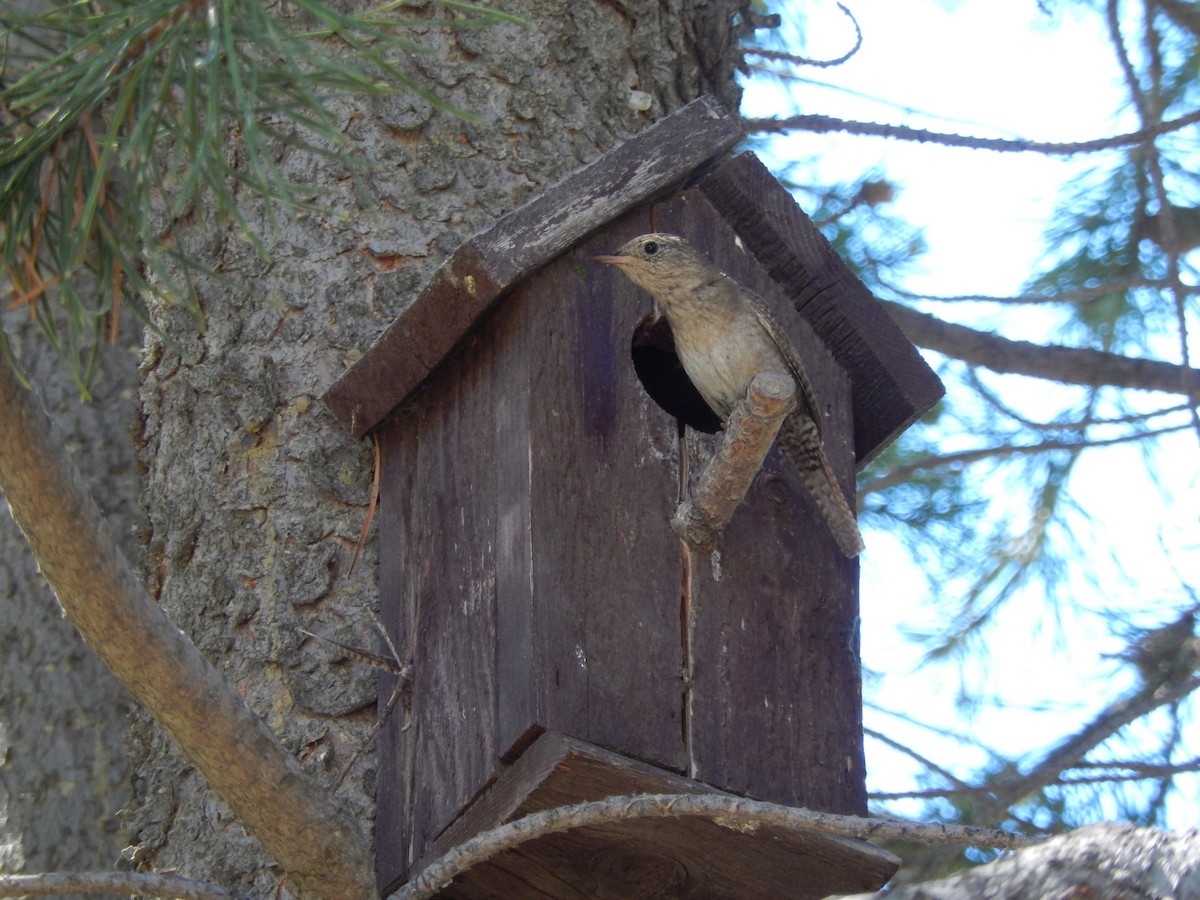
(1076, 295)
(823, 124)
(781, 56)
(1150, 108)
(1082, 423)
(1069, 753)
(401, 691)
(913, 754)
(902, 473)
(1137, 772)
(366, 657)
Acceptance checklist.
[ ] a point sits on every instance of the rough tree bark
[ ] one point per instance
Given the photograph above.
(254, 497)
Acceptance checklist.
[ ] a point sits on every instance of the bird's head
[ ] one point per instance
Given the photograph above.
(662, 264)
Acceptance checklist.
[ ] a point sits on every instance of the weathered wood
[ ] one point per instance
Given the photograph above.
(892, 385)
(582, 632)
(653, 857)
(438, 526)
(397, 611)
(726, 477)
(662, 156)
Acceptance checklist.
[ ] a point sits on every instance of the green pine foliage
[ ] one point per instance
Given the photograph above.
(110, 111)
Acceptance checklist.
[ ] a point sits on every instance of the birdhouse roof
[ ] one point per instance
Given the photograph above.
(892, 385)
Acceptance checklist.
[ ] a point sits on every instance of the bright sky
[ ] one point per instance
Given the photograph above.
(1005, 70)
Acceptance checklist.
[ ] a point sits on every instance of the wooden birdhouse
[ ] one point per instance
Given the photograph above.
(565, 645)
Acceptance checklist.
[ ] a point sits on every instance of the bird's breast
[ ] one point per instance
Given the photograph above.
(722, 352)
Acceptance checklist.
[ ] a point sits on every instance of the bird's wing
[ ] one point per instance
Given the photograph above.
(771, 325)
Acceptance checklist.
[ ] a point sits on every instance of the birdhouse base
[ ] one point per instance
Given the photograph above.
(642, 858)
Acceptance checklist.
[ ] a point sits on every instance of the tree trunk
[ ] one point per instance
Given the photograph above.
(254, 496)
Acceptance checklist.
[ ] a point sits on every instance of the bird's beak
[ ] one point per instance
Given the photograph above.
(614, 260)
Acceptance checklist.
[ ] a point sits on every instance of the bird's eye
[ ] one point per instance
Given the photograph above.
(650, 248)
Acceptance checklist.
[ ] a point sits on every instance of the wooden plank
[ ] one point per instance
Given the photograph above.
(519, 707)
(438, 591)
(893, 386)
(606, 569)
(492, 262)
(774, 703)
(393, 794)
(648, 857)
(414, 344)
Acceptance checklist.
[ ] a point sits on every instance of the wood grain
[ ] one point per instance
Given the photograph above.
(526, 560)
(527, 563)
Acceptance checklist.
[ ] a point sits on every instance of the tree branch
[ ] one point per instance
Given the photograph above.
(901, 473)
(1068, 753)
(298, 822)
(825, 124)
(755, 422)
(1070, 365)
(1077, 295)
(1185, 15)
(731, 812)
(1135, 772)
(908, 751)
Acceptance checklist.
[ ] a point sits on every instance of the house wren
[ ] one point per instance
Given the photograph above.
(725, 335)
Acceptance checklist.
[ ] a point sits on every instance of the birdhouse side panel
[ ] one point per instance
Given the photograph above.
(441, 571)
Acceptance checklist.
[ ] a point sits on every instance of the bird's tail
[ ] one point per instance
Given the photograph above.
(801, 443)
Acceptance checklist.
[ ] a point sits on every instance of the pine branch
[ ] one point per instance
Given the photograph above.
(778, 55)
(121, 119)
(1134, 772)
(1076, 295)
(903, 473)
(1072, 750)
(1069, 365)
(929, 764)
